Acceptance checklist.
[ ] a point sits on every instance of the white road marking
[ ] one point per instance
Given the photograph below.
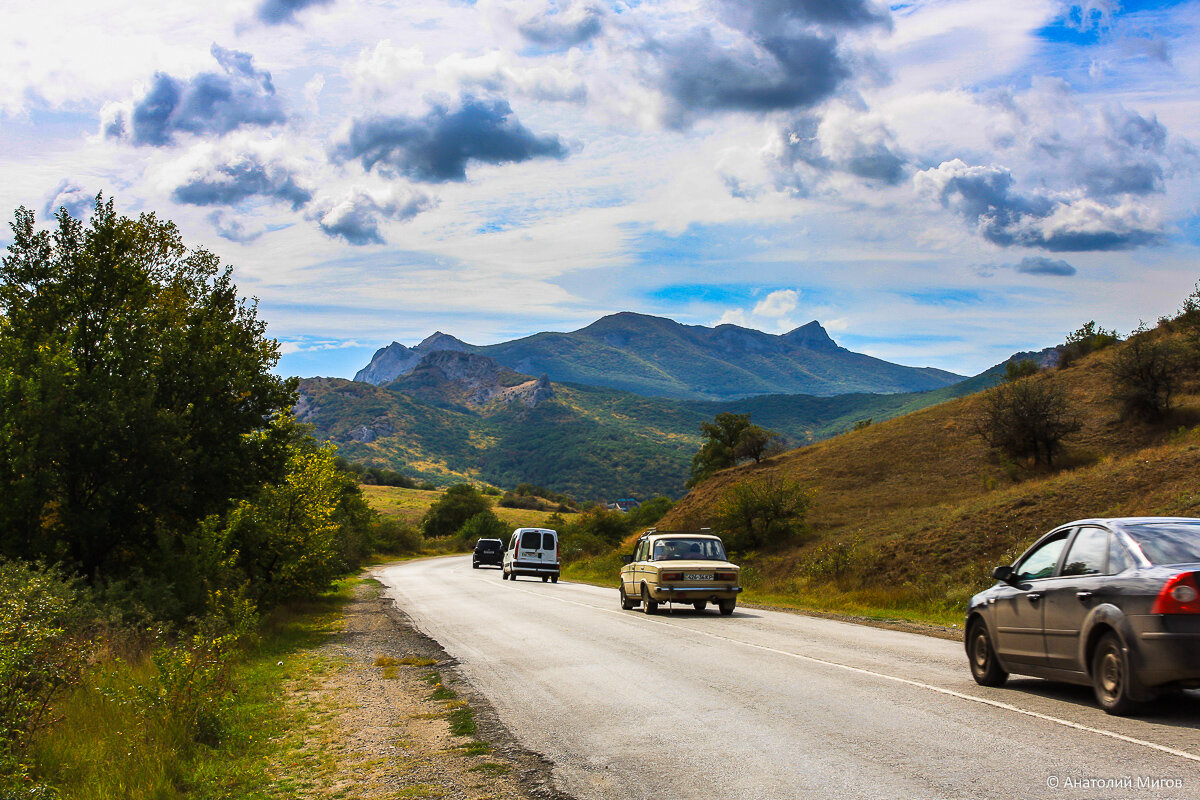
(882, 676)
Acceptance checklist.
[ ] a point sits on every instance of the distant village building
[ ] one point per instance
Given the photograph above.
(623, 505)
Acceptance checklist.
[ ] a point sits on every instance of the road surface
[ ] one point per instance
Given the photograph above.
(769, 705)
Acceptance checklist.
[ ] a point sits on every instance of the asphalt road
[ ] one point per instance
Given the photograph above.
(772, 705)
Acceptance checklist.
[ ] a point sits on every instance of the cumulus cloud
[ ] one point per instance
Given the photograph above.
(220, 175)
(770, 16)
(498, 72)
(72, 197)
(1040, 265)
(208, 103)
(438, 146)
(840, 139)
(277, 12)
(698, 75)
(772, 313)
(356, 216)
(778, 303)
(556, 25)
(231, 227)
(984, 196)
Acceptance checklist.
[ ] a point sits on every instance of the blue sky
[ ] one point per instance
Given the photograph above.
(939, 183)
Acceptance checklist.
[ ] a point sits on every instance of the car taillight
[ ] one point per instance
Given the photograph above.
(725, 576)
(1181, 595)
(672, 576)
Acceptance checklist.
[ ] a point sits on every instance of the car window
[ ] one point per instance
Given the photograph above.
(1042, 561)
(688, 549)
(1119, 559)
(1168, 542)
(1088, 553)
(547, 541)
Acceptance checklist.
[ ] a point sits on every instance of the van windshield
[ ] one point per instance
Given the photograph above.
(689, 549)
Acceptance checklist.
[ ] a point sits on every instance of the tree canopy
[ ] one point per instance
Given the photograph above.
(728, 440)
(135, 391)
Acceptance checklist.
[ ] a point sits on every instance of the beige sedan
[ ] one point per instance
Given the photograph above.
(679, 567)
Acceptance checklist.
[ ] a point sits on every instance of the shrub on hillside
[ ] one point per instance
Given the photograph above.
(762, 512)
(1027, 418)
(392, 537)
(1089, 338)
(1147, 373)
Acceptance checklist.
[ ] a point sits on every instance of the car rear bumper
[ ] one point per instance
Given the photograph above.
(534, 568)
(1168, 650)
(495, 559)
(694, 594)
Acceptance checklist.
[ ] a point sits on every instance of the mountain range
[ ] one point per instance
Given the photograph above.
(658, 357)
(445, 412)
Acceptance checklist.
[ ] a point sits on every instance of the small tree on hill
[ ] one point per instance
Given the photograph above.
(1089, 338)
(1027, 418)
(1147, 373)
(729, 439)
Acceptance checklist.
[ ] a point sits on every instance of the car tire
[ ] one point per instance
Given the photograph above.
(703, 604)
(1111, 678)
(626, 603)
(474, 565)
(545, 578)
(503, 574)
(985, 668)
(648, 606)
(727, 607)
(554, 579)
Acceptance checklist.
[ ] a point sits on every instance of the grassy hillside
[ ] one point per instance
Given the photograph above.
(910, 514)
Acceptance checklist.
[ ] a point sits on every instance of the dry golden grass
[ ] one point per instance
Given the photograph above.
(933, 509)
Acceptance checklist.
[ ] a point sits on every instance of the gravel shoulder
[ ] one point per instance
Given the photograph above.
(388, 707)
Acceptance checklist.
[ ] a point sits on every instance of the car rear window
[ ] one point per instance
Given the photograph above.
(530, 540)
(688, 549)
(1168, 542)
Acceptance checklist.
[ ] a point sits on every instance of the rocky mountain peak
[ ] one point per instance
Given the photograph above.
(811, 336)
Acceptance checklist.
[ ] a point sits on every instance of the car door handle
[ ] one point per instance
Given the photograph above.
(1085, 596)
(1033, 597)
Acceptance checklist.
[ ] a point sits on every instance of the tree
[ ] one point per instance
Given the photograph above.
(729, 439)
(135, 391)
(762, 512)
(451, 511)
(1147, 373)
(1027, 418)
(1087, 339)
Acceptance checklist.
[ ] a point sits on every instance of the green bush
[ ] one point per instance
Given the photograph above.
(392, 537)
(451, 511)
(762, 512)
(42, 652)
(484, 525)
(1147, 373)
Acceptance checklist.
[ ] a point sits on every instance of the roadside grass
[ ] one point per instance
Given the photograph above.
(107, 744)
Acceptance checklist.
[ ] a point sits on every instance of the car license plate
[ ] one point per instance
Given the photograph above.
(697, 576)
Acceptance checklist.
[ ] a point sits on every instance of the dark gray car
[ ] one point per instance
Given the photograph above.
(1110, 603)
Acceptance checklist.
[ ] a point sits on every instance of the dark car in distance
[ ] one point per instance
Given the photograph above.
(1110, 603)
(488, 551)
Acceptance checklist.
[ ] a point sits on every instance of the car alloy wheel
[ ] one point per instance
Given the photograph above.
(985, 669)
(1110, 676)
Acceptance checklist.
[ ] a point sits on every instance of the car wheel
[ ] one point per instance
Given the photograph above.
(474, 565)
(554, 579)
(985, 669)
(649, 606)
(1110, 676)
(503, 574)
(703, 604)
(545, 578)
(626, 603)
(727, 607)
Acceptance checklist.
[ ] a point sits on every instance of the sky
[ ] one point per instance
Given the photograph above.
(939, 182)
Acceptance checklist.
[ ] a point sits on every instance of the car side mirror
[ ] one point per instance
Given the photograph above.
(1003, 573)
(626, 559)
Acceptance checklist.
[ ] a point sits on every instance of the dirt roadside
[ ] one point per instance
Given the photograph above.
(392, 709)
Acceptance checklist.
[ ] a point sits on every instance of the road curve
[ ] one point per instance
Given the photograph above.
(684, 706)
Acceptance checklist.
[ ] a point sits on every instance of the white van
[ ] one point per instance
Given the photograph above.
(531, 551)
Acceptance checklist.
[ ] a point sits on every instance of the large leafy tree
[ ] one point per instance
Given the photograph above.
(728, 440)
(135, 390)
